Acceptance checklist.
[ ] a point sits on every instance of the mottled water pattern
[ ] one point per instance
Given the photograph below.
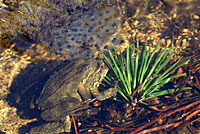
(81, 33)
(89, 33)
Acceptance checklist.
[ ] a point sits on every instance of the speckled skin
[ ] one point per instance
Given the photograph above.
(72, 88)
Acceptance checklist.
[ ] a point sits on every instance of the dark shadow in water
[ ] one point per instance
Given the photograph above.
(26, 129)
(26, 87)
(2, 132)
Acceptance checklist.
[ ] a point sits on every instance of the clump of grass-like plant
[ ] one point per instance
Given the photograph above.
(140, 76)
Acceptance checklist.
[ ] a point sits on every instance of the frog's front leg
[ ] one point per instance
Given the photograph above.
(106, 94)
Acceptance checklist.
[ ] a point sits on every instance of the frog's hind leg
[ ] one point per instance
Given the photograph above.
(60, 109)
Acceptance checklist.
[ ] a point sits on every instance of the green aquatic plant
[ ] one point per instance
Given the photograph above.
(141, 76)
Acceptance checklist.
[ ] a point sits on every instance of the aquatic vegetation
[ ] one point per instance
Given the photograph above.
(141, 76)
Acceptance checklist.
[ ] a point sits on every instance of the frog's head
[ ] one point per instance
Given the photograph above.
(94, 73)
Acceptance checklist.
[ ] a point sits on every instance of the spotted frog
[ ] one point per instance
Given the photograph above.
(72, 88)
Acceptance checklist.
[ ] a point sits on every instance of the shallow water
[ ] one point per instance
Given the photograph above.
(54, 31)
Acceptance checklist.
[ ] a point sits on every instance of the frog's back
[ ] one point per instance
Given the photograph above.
(62, 84)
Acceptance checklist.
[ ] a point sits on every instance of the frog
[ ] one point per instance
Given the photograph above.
(73, 88)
